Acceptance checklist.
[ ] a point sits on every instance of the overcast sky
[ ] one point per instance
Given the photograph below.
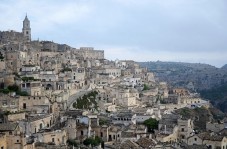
(141, 30)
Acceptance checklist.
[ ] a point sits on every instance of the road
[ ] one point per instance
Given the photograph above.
(75, 96)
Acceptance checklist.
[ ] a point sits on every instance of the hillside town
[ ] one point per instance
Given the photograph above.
(54, 96)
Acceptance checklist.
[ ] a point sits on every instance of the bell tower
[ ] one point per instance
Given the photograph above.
(26, 30)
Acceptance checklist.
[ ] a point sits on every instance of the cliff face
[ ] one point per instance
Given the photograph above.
(217, 96)
(201, 76)
(224, 67)
(201, 116)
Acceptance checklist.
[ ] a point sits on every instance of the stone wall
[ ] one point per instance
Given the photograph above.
(16, 117)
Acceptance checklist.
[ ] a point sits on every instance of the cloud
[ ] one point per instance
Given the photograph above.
(142, 30)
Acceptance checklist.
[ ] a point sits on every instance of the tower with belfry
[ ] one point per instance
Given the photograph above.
(26, 30)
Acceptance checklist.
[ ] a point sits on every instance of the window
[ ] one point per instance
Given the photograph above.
(24, 105)
(28, 84)
(195, 139)
(182, 129)
(82, 133)
(17, 141)
(52, 139)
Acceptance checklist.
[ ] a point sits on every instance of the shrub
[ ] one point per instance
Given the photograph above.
(92, 141)
(151, 124)
(14, 88)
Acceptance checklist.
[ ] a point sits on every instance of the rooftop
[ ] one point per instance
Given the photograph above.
(8, 127)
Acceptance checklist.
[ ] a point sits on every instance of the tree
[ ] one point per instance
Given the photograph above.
(93, 141)
(145, 87)
(22, 93)
(151, 124)
(72, 142)
(13, 88)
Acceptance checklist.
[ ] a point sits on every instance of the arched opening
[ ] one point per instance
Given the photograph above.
(48, 87)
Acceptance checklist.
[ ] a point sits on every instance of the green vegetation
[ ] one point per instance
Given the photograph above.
(93, 141)
(66, 69)
(26, 79)
(7, 113)
(103, 122)
(218, 93)
(13, 88)
(86, 101)
(145, 87)
(4, 91)
(1, 56)
(163, 102)
(151, 124)
(71, 142)
(217, 96)
(22, 93)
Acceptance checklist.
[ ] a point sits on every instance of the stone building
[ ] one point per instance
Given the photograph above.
(13, 62)
(57, 137)
(32, 87)
(3, 141)
(114, 133)
(126, 97)
(212, 141)
(26, 30)
(125, 118)
(30, 103)
(89, 53)
(70, 127)
(34, 124)
(14, 117)
(11, 36)
(17, 37)
(9, 103)
(167, 123)
(49, 46)
(185, 127)
(13, 136)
